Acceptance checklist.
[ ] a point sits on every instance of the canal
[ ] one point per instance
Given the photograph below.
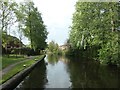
(61, 72)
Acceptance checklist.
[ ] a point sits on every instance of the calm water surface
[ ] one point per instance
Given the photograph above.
(61, 72)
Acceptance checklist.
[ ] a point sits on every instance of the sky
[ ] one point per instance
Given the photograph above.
(57, 16)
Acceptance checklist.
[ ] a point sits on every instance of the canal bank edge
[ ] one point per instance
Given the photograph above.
(15, 80)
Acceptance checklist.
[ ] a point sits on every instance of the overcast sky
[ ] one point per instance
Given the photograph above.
(57, 16)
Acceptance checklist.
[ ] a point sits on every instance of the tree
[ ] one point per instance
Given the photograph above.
(32, 25)
(35, 29)
(53, 48)
(95, 24)
(7, 16)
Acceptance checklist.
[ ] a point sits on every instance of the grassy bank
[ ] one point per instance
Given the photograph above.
(19, 67)
(6, 61)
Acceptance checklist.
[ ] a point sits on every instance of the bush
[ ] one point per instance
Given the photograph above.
(108, 54)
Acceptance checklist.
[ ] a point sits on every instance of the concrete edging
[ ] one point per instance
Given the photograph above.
(15, 80)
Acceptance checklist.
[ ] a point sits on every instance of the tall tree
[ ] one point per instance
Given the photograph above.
(96, 23)
(34, 29)
(7, 18)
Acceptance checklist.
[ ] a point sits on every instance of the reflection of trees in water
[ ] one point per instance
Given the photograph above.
(89, 74)
(53, 59)
(37, 78)
(83, 74)
(109, 76)
(64, 59)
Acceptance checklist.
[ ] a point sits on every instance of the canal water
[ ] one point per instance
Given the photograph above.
(61, 72)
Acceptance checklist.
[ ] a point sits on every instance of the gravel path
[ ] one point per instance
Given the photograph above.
(5, 70)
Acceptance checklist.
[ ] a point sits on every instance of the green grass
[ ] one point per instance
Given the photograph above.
(6, 61)
(18, 68)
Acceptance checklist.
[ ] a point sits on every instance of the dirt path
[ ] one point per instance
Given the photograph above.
(5, 70)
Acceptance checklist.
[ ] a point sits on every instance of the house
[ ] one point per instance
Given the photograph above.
(64, 47)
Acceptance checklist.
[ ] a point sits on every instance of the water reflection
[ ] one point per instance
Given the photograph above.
(89, 74)
(52, 59)
(57, 75)
(61, 72)
(36, 79)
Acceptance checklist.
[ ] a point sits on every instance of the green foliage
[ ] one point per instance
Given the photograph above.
(29, 23)
(53, 48)
(35, 29)
(96, 24)
(110, 51)
(7, 15)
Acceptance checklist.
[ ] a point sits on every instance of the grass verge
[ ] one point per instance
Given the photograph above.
(18, 68)
(6, 61)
